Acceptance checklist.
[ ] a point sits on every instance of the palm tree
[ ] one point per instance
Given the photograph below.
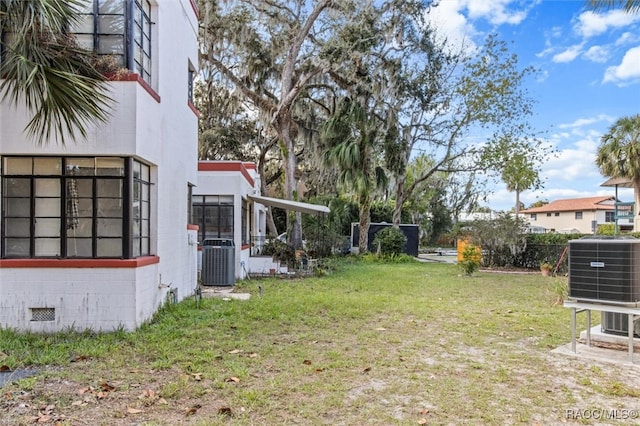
(618, 155)
(42, 67)
(351, 134)
(631, 6)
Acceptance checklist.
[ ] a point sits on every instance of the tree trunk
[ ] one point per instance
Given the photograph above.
(517, 203)
(294, 223)
(271, 225)
(400, 198)
(364, 213)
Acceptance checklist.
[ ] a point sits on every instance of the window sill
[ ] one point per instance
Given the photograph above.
(79, 263)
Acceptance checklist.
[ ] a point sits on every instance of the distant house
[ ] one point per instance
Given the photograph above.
(575, 215)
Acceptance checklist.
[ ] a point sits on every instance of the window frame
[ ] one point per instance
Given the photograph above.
(91, 210)
(211, 226)
(136, 34)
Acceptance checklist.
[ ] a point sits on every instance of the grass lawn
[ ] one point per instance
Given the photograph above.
(376, 344)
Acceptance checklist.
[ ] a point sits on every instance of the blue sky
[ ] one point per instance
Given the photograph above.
(589, 76)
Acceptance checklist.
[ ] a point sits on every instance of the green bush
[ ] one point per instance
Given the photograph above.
(391, 241)
(471, 258)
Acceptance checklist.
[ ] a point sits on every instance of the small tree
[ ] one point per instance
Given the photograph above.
(471, 258)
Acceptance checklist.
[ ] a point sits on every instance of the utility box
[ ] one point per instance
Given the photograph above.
(218, 262)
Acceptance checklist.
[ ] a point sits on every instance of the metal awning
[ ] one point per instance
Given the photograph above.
(619, 182)
(290, 205)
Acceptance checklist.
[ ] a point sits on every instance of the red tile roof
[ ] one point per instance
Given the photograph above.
(574, 204)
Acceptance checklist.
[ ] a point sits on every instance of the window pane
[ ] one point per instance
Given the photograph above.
(83, 228)
(47, 207)
(110, 167)
(145, 247)
(47, 166)
(111, 24)
(79, 247)
(85, 207)
(137, 250)
(113, 45)
(109, 188)
(109, 247)
(18, 227)
(197, 199)
(109, 227)
(144, 224)
(17, 247)
(85, 41)
(47, 228)
(47, 247)
(109, 207)
(145, 174)
(18, 207)
(84, 25)
(47, 187)
(111, 6)
(81, 166)
(17, 166)
(17, 187)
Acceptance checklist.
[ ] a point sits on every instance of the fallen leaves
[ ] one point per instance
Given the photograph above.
(232, 379)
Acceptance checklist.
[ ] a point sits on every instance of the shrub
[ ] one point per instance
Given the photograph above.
(390, 241)
(470, 259)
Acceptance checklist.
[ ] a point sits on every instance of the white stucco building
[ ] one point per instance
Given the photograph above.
(95, 234)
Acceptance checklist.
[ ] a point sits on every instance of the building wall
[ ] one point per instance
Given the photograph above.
(238, 180)
(157, 126)
(567, 220)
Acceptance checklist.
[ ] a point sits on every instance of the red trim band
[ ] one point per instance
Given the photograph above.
(226, 166)
(139, 80)
(192, 227)
(193, 108)
(79, 263)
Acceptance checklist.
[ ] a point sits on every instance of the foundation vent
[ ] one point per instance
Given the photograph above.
(43, 314)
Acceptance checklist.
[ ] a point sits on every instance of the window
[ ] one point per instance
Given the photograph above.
(578, 215)
(74, 207)
(245, 222)
(557, 214)
(119, 28)
(214, 216)
(609, 217)
(534, 216)
(548, 214)
(190, 82)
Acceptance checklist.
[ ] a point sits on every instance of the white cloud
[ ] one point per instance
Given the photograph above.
(569, 54)
(597, 54)
(454, 19)
(583, 122)
(627, 71)
(496, 12)
(627, 38)
(590, 24)
(452, 25)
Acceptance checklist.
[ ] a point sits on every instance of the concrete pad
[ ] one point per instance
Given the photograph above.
(605, 347)
(600, 354)
(15, 375)
(224, 293)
